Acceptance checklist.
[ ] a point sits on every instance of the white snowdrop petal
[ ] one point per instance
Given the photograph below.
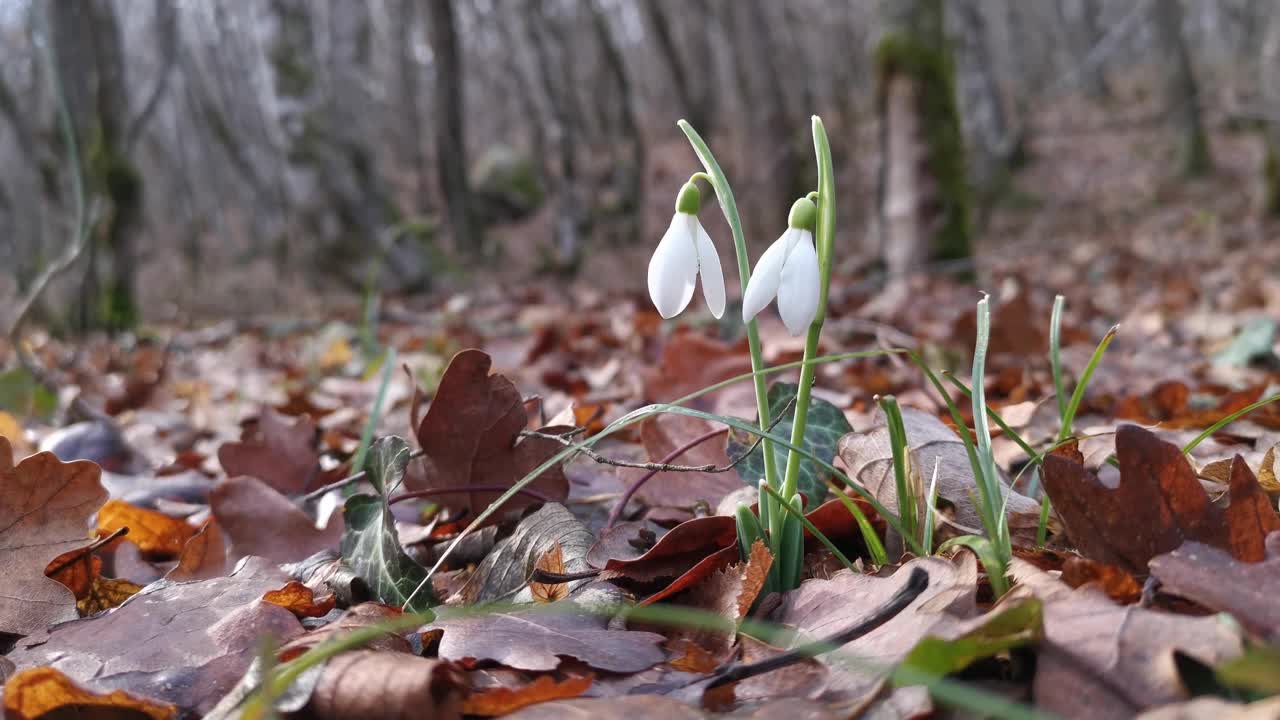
(762, 288)
(710, 271)
(673, 269)
(798, 290)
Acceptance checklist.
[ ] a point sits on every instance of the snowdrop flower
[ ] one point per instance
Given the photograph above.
(684, 253)
(788, 270)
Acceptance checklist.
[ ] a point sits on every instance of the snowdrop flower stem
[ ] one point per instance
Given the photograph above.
(715, 177)
(824, 234)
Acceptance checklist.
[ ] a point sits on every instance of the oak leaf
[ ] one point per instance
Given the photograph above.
(280, 453)
(45, 506)
(45, 692)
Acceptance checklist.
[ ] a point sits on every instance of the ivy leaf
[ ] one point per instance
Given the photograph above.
(825, 426)
(370, 544)
(386, 463)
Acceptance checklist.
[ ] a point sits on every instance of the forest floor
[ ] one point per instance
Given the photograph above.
(1153, 591)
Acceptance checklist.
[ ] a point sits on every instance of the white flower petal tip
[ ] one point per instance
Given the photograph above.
(685, 253)
(789, 271)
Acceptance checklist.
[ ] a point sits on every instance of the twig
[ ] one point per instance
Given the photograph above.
(917, 583)
(618, 509)
(430, 492)
(654, 466)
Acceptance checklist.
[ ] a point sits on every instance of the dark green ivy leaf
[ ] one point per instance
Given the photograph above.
(825, 426)
(370, 544)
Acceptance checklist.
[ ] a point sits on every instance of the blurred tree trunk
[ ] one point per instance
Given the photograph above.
(1083, 33)
(1183, 93)
(557, 86)
(924, 196)
(406, 72)
(1270, 81)
(632, 183)
(90, 65)
(451, 148)
(680, 72)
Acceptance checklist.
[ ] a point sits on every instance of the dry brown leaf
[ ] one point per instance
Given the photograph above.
(1109, 661)
(510, 563)
(500, 700)
(77, 570)
(106, 593)
(204, 556)
(300, 600)
(46, 693)
(665, 433)
(552, 561)
(282, 454)
(471, 437)
(362, 615)
(1219, 582)
(389, 686)
(154, 533)
(1118, 584)
(1219, 471)
(635, 707)
(729, 593)
(182, 643)
(684, 546)
(260, 521)
(1158, 505)
(45, 506)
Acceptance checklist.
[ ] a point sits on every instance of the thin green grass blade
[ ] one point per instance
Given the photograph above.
(808, 525)
(907, 506)
(1209, 431)
(1077, 396)
(869, 535)
(1036, 457)
(1055, 355)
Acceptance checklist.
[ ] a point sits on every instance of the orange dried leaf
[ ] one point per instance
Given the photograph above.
(692, 657)
(500, 701)
(38, 692)
(300, 600)
(552, 561)
(153, 532)
(106, 593)
(204, 556)
(77, 570)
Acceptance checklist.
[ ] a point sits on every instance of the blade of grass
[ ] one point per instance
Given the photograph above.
(1209, 431)
(929, 518)
(908, 514)
(869, 535)
(1055, 355)
(1036, 457)
(1077, 396)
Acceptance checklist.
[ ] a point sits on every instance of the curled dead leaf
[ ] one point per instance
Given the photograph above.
(46, 693)
(300, 600)
(153, 532)
(500, 700)
(387, 685)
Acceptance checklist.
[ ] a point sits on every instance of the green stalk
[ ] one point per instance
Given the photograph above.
(1078, 396)
(729, 207)
(1055, 354)
(907, 507)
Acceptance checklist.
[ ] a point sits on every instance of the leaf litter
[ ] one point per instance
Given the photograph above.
(235, 530)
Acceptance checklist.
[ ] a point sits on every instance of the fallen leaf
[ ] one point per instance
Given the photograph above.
(327, 572)
(684, 546)
(728, 593)
(638, 707)
(299, 600)
(359, 616)
(203, 556)
(552, 561)
(1214, 579)
(1118, 584)
(1211, 708)
(258, 520)
(106, 593)
(77, 570)
(536, 639)
(1219, 471)
(471, 437)
(825, 426)
(507, 568)
(45, 506)
(46, 693)
(624, 541)
(1012, 625)
(869, 457)
(821, 608)
(392, 686)
(180, 643)
(280, 453)
(153, 532)
(501, 700)
(662, 435)
(1158, 505)
(691, 362)
(1103, 660)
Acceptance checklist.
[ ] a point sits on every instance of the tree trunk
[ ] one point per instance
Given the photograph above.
(633, 189)
(451, 153)
(924, 199)
(1270, 82)
(406, 72)
(1183, 93)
